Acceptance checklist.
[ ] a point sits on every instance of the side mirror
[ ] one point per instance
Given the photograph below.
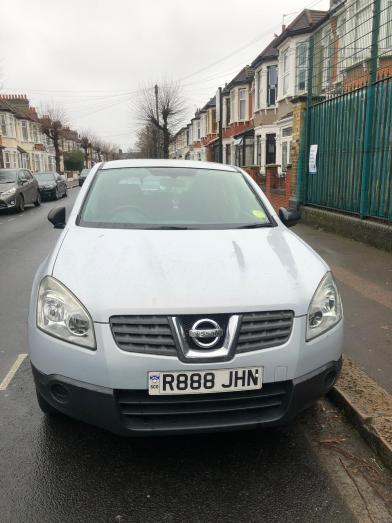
(57, 217)
(289, 217)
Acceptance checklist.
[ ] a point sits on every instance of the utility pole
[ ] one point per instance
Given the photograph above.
(220, 130)
(157, 117)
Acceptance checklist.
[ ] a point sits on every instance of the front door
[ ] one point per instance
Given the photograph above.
(270, 149)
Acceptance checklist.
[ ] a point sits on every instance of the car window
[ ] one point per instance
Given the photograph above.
(45, 177)
(28, 175)
(165, 197)
(22, 176)
(8, 176)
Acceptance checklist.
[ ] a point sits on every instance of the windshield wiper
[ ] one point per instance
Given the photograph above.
(169, 228)
(253, 225)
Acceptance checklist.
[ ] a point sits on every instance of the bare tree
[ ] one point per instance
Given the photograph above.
(53, 121)
(86, 139)
(148, 137)
(163, 108)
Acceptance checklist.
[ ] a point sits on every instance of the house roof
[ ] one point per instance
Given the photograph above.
(211, 103)
(243, 77)
(269, 53)
(305, 22)
(19, 105)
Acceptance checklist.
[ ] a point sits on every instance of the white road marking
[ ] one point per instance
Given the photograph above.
(11, 373)
(10, 219)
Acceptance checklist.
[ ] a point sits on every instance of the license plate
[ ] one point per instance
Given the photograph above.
(205, 381)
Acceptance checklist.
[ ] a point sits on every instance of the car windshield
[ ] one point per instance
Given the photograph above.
(165, 198)
(45, 177)
(7, 176)
(84, 172)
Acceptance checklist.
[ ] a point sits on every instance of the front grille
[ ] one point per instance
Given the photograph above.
(262, 330)
(208, 411)
(143, 334)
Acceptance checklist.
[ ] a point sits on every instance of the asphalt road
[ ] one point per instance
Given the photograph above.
(65, 471)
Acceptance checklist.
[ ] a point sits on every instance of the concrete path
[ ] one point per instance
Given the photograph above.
(364, 276)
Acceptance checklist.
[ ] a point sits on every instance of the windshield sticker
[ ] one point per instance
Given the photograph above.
(259, 214)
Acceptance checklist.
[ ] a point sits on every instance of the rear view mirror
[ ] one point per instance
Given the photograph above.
(57, 217)
(289, 217)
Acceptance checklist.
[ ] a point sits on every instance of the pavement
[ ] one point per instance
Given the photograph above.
(364, 276)
(54, 470)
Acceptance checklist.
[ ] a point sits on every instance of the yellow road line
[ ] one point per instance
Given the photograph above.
(11, 373)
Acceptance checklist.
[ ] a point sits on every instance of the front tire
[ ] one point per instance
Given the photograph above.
(20, 204)
(37, 202)
(65, 193)
(56, 194)
(46, 407)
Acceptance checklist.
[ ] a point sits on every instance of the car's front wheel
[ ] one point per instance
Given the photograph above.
(20, 204)
(46, 407)
(37, 202)
(56, 194)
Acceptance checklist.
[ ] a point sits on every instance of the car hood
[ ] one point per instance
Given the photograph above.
(183, 272)
(6, 186)
(42, 183)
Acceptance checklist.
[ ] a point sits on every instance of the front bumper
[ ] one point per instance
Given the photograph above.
(8, 202)
(47, 193)
(134, 412)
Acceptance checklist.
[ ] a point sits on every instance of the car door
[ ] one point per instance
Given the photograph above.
(23, 186)
(32, 187)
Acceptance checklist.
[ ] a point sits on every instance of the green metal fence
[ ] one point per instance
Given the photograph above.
(349, 112)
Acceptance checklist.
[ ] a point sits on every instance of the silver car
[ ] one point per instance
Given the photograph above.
(18, 188)
(189, 307)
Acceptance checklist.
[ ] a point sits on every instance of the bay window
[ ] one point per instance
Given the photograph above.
(285, 71)
(302, 58)
(242, 104)
(272, 84)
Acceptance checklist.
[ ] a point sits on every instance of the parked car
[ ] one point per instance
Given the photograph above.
(52, 185)
(191, 307)
(18, 188)
(83, 176)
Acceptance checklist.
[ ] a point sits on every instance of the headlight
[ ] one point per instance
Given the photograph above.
(325, 309)
(10, 192)
(60, 314)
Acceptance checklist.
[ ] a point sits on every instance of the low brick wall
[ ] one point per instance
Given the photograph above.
(277, 188)
(373, 233)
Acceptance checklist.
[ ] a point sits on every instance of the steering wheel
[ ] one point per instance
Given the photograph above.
(131, 208)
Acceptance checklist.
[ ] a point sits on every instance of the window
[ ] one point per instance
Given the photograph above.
(249, 150)
(272, 84)
(25, 132)
(285, 71)
(358, 31)
(242, 104)
(302, 58)
(198, 129)
(270, 149)
(257, 89)
(3, 124)
(7, 160)
(228, 100)
(188, 198)
(36, 163)
(232, 100)
(258, 150)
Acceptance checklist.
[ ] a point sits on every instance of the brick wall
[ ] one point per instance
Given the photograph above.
(278, 188)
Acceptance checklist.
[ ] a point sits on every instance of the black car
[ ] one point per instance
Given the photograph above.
(51, 185)
(83, 176)
(18, 188)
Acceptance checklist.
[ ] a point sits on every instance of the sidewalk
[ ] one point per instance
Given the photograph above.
(364, 276)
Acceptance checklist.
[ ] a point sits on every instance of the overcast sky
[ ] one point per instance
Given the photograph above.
(92, 56)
